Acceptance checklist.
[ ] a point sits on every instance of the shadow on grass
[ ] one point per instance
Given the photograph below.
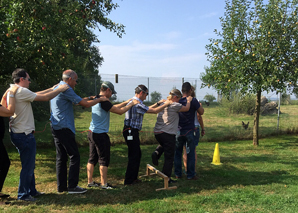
(234, 172)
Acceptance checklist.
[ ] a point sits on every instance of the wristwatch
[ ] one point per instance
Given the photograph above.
(11, 95)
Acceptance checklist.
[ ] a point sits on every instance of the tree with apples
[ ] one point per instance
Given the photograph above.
(48, 37)
(256, 50)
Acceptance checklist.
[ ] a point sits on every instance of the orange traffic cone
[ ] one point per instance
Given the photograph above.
(216, 156)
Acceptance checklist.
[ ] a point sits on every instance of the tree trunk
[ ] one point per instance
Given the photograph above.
(256, 119)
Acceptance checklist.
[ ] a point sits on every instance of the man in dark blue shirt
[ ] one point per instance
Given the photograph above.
(186, 137)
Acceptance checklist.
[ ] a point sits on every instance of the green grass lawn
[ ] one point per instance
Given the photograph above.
(251, 179)
(219, 126)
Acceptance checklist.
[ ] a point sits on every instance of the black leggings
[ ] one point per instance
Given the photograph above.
(4, 164)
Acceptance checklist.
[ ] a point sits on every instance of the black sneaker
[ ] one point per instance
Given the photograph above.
(107, 186)
(172, 181)
(154, 158)
(29, 198)
(93, 184)
(77, 190)
(38, 194)
(4, 195)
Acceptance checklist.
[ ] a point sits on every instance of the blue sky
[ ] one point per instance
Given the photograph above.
(163, 38)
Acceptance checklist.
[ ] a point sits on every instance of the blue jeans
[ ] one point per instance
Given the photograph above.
(26, 146)
(197, 135)
(186, 139)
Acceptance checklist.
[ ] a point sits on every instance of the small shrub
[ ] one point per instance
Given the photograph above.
(239, 104)
(155, 96)
(209, 98)
(285, 99)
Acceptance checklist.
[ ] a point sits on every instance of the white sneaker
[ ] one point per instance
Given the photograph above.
(107, 186)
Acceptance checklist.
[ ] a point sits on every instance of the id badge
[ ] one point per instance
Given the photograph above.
(129, 138)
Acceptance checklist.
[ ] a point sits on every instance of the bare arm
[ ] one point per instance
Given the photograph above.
(45, 91)
(157, 104)
(90, 98)
(201, 109)
(200, 119)
(120, 111)
(89, 103)
(156, 110)
(9, 111)
(122, 104)
(46, 96)
(186, 108)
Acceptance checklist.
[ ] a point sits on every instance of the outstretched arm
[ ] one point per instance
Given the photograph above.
(120, 111)
(157, 104)
(124, 103)
(89, 103)
(48, 94)
(156, 110)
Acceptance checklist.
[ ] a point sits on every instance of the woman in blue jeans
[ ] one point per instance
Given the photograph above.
(198, 123)
(5, 112)
(165, 131)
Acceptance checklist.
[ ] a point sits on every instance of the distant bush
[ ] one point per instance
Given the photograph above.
(238, 103)
(155, 96)
(209, 98)
(285, 99)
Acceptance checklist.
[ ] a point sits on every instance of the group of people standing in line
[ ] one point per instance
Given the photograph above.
(178, 110)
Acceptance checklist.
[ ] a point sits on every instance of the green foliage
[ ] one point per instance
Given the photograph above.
(209, 98)
(239, 104)
(48, 37)
(256, 49)
(285, 99)
(155, 96)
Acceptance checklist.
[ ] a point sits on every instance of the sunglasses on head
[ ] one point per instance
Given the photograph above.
(29, 79)
(147, 93)
(178, 96)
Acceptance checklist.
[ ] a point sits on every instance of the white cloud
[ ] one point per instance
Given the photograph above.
(155, 60)
(183, 58)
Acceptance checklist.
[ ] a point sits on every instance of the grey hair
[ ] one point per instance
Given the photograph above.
(68, 74)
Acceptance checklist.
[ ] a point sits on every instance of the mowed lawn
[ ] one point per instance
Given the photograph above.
(250, 179)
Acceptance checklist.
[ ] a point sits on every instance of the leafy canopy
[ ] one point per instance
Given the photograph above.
(48, 37)
(257, 48)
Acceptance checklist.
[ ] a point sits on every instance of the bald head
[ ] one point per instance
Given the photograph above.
(70, 77)
(68, 74)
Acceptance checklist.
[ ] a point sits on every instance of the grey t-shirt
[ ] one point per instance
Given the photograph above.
(168, 119)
